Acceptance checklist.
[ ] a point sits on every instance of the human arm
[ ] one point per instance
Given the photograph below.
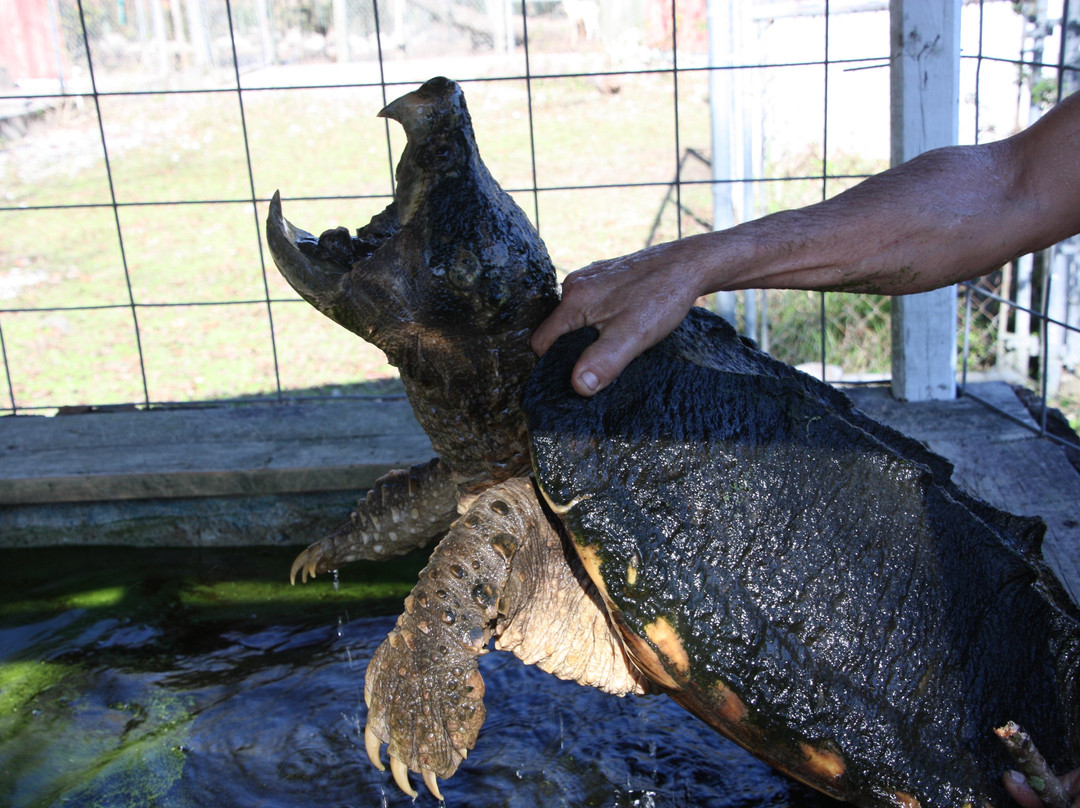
(945, 216)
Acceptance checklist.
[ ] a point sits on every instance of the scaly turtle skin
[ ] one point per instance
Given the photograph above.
(714, 525)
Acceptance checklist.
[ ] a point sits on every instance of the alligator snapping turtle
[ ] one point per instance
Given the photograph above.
(715, 525)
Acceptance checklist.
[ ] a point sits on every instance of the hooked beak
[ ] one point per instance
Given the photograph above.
(414, 110)
(317, 280)
(404, 108)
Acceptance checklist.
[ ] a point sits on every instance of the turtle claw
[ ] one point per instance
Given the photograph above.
(306, 564)
(401, 776)
(399, 769)
(432, 784)
(373, 746)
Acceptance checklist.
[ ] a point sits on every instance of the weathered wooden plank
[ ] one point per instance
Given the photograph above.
(222, 476)
(234, 521)
(253, 449)
(998, 461)
(944, 420)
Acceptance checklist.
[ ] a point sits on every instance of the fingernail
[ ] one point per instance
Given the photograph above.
(1016, 777)
(589, 381)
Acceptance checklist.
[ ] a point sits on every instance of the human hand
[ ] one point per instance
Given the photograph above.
(633, 301)
(1019, 789)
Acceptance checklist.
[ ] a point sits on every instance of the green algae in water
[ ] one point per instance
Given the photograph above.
(97, 696)
(179, 678)
(78, 750)
(23, 680)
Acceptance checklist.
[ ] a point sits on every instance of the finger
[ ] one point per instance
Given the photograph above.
(602, 361)
(585, 293)
(1023, 794)
(561, 321)
(1071, 781)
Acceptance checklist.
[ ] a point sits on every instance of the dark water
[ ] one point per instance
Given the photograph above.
(187, 678)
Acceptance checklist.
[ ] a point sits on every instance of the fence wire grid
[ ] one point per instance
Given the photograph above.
(142, 141)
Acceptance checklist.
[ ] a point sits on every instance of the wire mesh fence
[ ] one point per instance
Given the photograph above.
(142, 140)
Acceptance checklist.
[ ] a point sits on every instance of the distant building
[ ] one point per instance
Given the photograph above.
(30, 42)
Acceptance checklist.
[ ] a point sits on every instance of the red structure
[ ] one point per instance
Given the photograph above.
(29, 40)
(691, 21)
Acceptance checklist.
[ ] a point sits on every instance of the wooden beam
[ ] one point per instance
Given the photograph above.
(219, 451)
(925, 115)
(220, 521)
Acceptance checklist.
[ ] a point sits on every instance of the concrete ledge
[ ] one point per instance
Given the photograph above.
(208, 451)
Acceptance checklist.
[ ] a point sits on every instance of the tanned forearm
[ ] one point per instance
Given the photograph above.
(945, 216)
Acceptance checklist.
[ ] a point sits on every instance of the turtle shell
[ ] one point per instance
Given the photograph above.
(804, 579)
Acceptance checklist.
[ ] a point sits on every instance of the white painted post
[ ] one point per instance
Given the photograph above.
(262, 19)
(925, 115)
(1066, 255)
(160, 50)
(200, 37)
(722, 105)
(341, 30)
(501, 39)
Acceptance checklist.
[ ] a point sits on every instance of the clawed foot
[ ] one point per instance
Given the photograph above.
(427, 712)
(309, 563)
(399, 769)
(1020, 789)
(403, 510)
(423, 689)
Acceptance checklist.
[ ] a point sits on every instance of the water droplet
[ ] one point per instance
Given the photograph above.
(505, 544)
(484, 595)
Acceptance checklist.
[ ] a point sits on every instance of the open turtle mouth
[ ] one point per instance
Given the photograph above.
(313, 264)
(338, 246)
(438, 103)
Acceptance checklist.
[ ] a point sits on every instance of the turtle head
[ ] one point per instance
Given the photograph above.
(440, 141)
(452, 258)
(437, 105)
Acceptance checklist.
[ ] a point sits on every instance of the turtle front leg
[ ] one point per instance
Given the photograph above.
(405, 509)
(423, 689)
